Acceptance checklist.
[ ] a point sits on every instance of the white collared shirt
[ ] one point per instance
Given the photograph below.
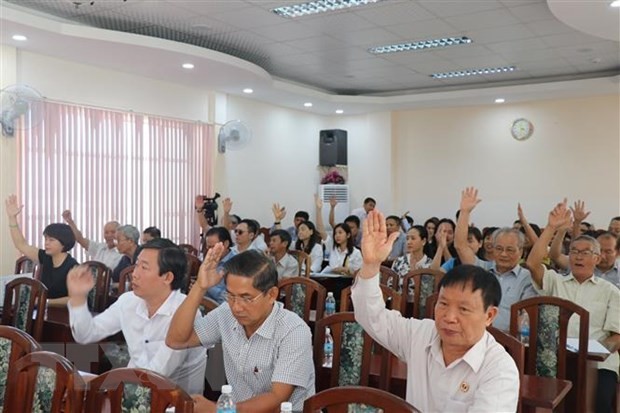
(485, 379)
(99, 251)
(288, 266)
(145, 337)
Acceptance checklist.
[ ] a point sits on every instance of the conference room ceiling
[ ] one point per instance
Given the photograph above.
(329, 51)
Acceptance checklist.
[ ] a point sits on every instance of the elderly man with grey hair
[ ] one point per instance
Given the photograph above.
(127, 239)
(515, 281)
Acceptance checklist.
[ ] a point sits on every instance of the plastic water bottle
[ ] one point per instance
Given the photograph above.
(286, 407)
(226, 404)
(328, 349)
(330, 304)
(524, 327)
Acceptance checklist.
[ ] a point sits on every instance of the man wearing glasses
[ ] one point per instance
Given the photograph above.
(515, 281)
(267, 349)
(598, 296)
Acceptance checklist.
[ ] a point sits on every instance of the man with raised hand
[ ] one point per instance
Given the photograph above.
(453, 363)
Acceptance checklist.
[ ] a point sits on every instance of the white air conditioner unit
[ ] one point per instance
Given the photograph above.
(341, 194)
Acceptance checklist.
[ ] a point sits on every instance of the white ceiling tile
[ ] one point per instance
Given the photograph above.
(389, 13)
(209, 8)
(467, 50)
(287, 31)
(424, 30)
(528, 12)
(480, 62)
(569, 39)
(370, 37)
(336, 23)
(548, 27)
(483, 20)
(459, 7)
(317, 43)
(249, 17)
(499, 34)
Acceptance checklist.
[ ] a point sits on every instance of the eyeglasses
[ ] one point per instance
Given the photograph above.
(582, 253)
(239, 231)
(508, 250)
(231, 299)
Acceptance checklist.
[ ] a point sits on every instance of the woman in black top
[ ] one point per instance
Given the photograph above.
(54, 260)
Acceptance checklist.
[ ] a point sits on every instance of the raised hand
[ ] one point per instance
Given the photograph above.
(278, 212)
(66, 215)
(227, 204)
(318, 202)
(13, 208)
(333, 202)
(469, 199)
(520, 213)
(207, 273)
(198, 202)
(579, 211)
(80, 281)
(376, 245)
(442, 239)
(560, 216)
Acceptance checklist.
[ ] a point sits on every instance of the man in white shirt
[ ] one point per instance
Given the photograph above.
(104, 252)
(454, 364)
(362, 213)
(143, 315)
(279, 244)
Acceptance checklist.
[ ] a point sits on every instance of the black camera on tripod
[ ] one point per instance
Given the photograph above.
(209, 208)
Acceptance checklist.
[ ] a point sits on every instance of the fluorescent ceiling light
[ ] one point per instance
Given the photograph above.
(20, 37)
(421, 45)
(474, 72)
(248, 90)
(188, 65)
(308, 104)
(319, 6)
(500, 100)
(615, 3)
(339, 111)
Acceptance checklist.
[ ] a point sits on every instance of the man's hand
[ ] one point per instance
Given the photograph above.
(318, 202)
(469, 199)
(520, 213)
(198, 202)
(202, 405)
(579, 211)
(12, 206)
(278, 212)
(66, 215)
(80, 281)
(333, 202)
(207, 273)
(376, 245)
(560, 216)
(227, 205)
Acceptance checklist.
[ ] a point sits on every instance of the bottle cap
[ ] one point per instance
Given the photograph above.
(327, 330)
(286, 407)
(330, 294)
(226, 389)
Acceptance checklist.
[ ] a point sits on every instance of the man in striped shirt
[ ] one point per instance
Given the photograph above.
(267, 349)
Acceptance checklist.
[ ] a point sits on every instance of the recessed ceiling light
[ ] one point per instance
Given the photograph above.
(421, 45)
(339, 111)
(319, 6)
(615, 3)
(248, 90)
(188, 65)
(20, 37)
(500, 100)
(474, 72)
(308, 104)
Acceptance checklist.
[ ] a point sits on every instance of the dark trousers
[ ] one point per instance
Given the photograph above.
(606, 390)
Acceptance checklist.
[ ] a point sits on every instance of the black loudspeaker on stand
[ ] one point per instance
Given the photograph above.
(332, 147)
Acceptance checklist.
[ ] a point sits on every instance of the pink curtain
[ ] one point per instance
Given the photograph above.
(107, 165)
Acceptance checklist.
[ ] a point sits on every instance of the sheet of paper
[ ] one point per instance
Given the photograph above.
(593, 346)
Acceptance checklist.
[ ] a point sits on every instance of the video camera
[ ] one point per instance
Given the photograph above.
(209, 208)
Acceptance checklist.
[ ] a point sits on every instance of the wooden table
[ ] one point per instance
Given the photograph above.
(543, 392)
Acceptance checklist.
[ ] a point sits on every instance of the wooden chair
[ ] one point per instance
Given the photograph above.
(189, 249)
(389, 277)
(303, 295)
(391, 297)
(431, 301)
(124, 279)
(425, 282)
(207, 305)
(25, 265)
(14, 344)
(549, 319)
(266, 234)
(337, 400)
(133, 387)
(193, 265)
(354, 351)
(515, 349)
(46, 379)
(22, 297)
(98, 296)
(303, 262)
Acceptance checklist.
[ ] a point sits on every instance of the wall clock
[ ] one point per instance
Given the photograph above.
(522, 129)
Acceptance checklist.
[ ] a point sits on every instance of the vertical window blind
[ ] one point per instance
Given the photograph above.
(107, 165)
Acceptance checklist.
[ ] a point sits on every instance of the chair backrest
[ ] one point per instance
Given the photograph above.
(353, 352)
(266, 234)
(302, 295)
(391, 297)
(207, 305)
(389, 277)
(98, 296)
(14, 344)
(124, 279)
(193, 265)
(25, 265)
(549, 320)
(189, 249)
(424, 283)
(134, 388)
(48, 380)
(304, 263)
(431, 301)
(22, 297)
(337, 400)
(514, 348)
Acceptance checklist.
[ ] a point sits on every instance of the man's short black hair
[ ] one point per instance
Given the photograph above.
(62, 233)
(222, 234)
(302, 214)
(393, 218)
(153, 232)
(256, 265)
(477, 279)
(252, 224)
(369, 199)
(284, 236)
(354, 219)
(171, 258)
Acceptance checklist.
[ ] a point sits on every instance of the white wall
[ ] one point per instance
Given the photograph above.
(573, 152)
